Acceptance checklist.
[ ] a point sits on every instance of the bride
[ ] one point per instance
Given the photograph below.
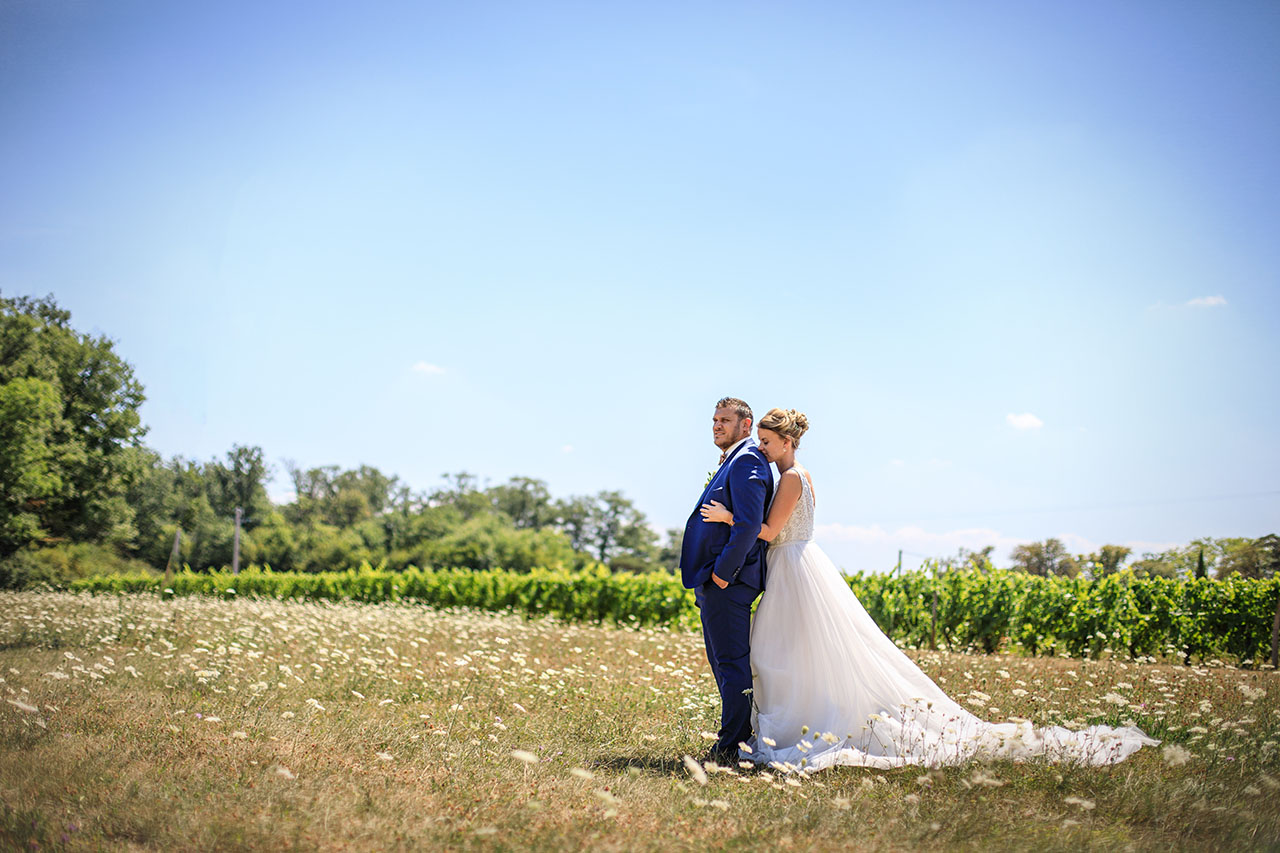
(829, 688)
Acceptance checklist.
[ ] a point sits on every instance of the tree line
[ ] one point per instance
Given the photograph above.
(80, 492)
(1204, 557)
(78, 485)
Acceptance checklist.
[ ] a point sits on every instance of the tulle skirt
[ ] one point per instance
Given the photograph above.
(829, 688)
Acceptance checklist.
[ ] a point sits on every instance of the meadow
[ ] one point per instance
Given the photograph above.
(140, 722)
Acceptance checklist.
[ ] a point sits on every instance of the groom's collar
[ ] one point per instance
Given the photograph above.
(735, 448)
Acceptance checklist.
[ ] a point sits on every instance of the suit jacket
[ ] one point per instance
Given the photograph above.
(744, 484)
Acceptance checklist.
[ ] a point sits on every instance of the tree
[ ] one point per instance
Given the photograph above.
(609, 528)
(669, 555)
(491, 542)
(618, 529)
(573, 515)
(1205, 554)
(462, 491)
(1044, 558)
(30, 475)
(87, 398)
(153, 494)
(377, 488)
(524, 500)
(1161, 565)
(312, 489)
(240, 482)
(964, 558)
(1252, 558)
(1107, 560)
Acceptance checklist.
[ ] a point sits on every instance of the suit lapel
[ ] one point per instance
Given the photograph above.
(723, 470)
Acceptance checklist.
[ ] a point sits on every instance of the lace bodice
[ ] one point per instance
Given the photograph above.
(799, 527)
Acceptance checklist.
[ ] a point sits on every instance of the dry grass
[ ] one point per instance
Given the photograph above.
(136, 723)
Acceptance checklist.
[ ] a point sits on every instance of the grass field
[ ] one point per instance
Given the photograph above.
(131, 722)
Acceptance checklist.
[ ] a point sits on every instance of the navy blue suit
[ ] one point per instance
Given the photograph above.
(744, 484)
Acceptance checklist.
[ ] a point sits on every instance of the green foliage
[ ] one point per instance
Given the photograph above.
(490, 541)
(1045, 558)
(1257, 558)
(29, 471)
(239, 482)
(1120, 614)
(594, 594)
(69, 409)
(1107, 560)
(977, 608)
(61, 565)
(1207, 555)
(526, 501)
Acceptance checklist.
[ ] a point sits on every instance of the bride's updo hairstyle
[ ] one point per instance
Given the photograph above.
(787, 423)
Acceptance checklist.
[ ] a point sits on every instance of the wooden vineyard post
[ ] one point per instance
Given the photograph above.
(235, 550)
(1275, 636)
(933, 624)
(173, 557)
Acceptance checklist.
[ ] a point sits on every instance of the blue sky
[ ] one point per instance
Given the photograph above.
(1018, 262)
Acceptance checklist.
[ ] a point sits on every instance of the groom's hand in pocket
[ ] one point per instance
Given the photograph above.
(715, 579)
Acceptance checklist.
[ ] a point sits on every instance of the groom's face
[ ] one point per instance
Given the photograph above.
(727, 428)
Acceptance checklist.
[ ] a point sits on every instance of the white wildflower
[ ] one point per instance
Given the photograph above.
(695, 770)
(982, 779)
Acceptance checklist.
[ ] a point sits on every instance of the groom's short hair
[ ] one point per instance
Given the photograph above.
(740, 408)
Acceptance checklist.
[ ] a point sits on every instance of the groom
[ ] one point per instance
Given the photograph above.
(724, 566)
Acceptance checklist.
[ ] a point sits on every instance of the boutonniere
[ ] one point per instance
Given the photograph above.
(710, 474)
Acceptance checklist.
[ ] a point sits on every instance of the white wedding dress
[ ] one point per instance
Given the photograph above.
(831, 689)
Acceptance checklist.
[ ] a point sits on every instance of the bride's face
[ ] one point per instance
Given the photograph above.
(772, 445)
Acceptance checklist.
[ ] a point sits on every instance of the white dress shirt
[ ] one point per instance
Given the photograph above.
(732, 448)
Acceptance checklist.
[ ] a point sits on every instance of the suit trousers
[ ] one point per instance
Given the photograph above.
(726, 630)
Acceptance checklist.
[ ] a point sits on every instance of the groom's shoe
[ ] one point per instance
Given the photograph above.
(722, 756)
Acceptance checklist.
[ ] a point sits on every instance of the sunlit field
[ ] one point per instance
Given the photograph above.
(132, 722)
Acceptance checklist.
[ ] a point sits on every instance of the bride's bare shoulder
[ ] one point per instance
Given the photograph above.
(808, 476)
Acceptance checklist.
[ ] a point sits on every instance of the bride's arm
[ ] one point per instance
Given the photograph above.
(784, 503)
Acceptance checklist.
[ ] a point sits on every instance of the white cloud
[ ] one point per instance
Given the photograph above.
(428, 368)
(568, 448)
(1207, 302)
(1026, 420)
